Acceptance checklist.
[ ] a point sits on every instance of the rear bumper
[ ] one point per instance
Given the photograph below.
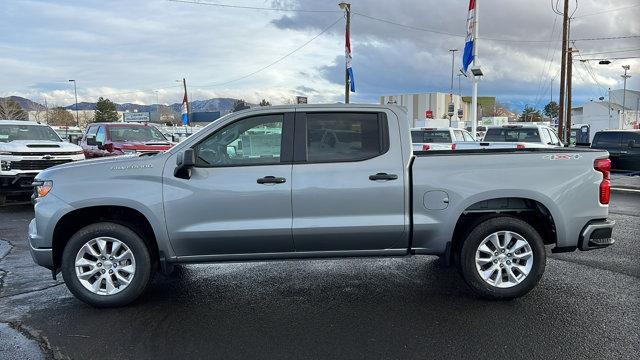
(596, 234)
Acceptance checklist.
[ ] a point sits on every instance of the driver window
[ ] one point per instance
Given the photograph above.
(100, 136)
(251, 141)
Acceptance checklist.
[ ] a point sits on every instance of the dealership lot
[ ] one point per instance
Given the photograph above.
(587, 305)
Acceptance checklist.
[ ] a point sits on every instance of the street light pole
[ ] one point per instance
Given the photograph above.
(624, 91)
(451, 110)
(75, 91)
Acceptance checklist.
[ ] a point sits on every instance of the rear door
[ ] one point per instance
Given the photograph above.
(348, 193)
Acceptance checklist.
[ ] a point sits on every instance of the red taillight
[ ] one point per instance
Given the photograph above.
(453, 146)
(425, 147)
(519, 146)
(604, 166)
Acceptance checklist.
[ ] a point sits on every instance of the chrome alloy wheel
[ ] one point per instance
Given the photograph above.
(105, 265)
(504, 259)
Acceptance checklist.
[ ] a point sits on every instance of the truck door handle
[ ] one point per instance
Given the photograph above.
(383, 176)
(271, 180)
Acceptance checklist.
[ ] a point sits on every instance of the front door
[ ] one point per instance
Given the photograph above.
(238, 199)
(348, 183)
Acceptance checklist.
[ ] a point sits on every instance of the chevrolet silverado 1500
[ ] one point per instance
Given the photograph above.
(313, 181)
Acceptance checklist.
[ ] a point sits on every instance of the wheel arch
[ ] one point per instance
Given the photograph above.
(78, 218)
(538, 214)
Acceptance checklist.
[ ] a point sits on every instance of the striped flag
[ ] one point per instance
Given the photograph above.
(185, 112)
(347, 53)
(467, 56)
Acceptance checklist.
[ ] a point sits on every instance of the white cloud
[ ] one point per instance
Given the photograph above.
(118, 47)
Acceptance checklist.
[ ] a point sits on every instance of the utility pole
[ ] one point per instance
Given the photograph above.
(563, 68)
(609, 123)
(624, 92)
(75, 90)
(347, 8)
(569, 84)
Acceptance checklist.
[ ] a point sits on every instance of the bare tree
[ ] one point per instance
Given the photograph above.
(60, 117)
(11, 110)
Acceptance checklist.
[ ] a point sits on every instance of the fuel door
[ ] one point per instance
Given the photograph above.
(436, 200)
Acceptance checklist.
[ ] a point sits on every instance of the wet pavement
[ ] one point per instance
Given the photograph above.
(587, 305)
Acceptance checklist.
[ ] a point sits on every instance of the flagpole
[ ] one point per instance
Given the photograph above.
(474, 92)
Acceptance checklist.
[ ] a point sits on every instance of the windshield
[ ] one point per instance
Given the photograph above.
(430, 136)
(125, 133)
(513, 135)
(27, 132)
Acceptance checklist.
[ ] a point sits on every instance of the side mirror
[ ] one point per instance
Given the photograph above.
(184, 163)
(91, 141)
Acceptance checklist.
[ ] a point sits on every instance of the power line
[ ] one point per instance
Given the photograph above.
(546, 58)
(613, 58)
(197, 2)
(407, 26)
(611, 51)
(606, 11)
(274, 62)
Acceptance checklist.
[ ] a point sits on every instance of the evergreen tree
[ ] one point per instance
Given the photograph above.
(105, 111)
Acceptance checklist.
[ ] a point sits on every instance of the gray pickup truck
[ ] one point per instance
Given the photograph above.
(312, 181)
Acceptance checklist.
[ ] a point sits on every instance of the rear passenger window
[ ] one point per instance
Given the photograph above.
(344, 136)
(607, 140)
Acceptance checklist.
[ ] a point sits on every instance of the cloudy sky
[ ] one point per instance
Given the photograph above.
(134, 50)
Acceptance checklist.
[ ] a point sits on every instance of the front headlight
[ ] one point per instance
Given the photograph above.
(5, 152)
(42, 187)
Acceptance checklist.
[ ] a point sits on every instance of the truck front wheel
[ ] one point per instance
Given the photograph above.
(502, 258)
(106, 265)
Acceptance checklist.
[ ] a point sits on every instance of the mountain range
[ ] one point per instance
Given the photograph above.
(216, 104)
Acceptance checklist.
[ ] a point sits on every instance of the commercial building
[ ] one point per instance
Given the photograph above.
(423, 106)
(603, 115)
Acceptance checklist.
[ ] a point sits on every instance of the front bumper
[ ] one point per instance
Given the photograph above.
(17, 184)
(596, 234)
(41, 256)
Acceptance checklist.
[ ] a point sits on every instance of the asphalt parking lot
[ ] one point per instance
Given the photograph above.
(587, 305)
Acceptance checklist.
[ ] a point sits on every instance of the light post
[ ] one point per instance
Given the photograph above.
(624, 91)
(452, 108)
(75, 91)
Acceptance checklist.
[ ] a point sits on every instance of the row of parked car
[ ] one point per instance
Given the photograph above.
(623, 145)
(27, 147)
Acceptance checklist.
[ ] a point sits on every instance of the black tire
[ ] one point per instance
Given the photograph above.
(130, 239)
(473, 241)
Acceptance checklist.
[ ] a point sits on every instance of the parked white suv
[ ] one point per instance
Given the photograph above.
(425, 139)
(26, 148)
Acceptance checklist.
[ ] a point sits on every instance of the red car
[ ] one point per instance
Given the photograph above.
(110, 139)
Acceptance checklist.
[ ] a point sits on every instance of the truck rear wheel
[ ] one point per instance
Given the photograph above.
(106, 265)
(502, 258)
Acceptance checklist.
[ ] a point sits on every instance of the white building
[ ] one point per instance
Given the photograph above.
(418, 106)
(603, 115)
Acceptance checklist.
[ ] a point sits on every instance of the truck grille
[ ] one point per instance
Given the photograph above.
(36, 164)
